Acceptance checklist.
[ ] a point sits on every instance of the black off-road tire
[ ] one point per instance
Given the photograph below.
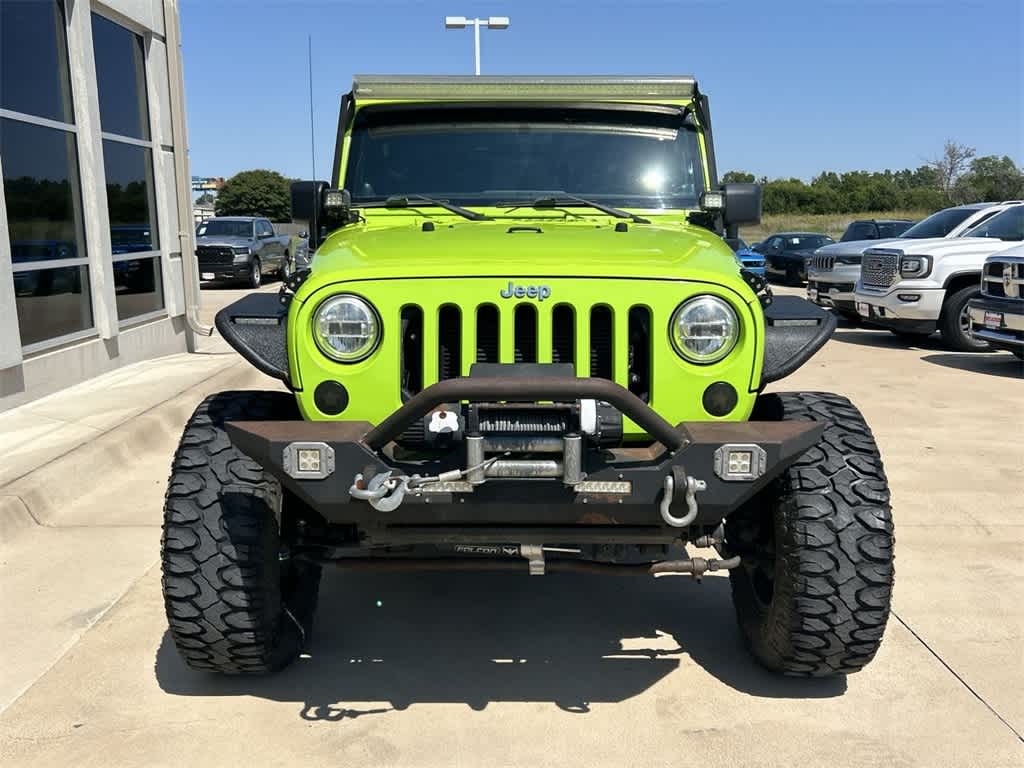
(286, 268)
(813, 591)
(233, 605)
(953, 325)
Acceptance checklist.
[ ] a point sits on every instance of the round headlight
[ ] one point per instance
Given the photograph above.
(346, 328)
(704, 329)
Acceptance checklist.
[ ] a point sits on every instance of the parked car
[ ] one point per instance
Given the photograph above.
(786, 254)
(997, 316)
(875, 229)
(833, 271)
(245, 248)
(916, 287)
(750, 260)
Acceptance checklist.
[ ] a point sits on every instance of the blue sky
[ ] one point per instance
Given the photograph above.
(796, 87)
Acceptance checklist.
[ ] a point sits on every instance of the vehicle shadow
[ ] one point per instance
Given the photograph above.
(1005, 365)
(880, 338)
(386, 641)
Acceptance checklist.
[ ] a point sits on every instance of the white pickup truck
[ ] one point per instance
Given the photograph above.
(916, 287)
(833, 270)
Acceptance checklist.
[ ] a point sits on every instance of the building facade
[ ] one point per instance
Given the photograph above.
(94, 165)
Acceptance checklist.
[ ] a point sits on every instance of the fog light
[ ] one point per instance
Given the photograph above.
(908, 296)
(720, 398)
(308, 461)
(740, 461)
(330, 397)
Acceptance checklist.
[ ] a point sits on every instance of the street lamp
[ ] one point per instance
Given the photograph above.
(461, 22)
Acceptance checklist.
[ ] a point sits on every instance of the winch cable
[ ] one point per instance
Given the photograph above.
(386, 491)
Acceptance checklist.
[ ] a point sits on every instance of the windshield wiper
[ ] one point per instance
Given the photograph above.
(410, 201)
(562, 200)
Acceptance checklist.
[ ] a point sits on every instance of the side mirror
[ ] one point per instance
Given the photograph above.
(742, 204)
(303, 234)
(308, 200)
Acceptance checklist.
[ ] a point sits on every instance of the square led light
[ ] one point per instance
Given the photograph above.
(739, 462)
(309, 459)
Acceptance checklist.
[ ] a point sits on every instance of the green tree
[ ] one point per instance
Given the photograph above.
(255, 193)
(205, 199)
(738, 177)
(990, 178)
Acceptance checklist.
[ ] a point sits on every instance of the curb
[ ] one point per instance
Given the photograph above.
(39, 497)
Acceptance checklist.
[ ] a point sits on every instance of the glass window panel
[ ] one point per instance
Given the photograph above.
(52, 302)
(120, 78)
(33, 59)
(129, 170)
(42, 192)
(138, 287)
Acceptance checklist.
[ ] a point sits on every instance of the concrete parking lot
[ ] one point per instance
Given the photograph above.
(502, 669)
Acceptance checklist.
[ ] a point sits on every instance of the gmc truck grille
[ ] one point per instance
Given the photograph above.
(601, 341)
(215, 256)
(1003, 279)
(822, 263)
(880, 269)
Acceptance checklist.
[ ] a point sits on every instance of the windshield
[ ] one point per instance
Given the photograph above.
(874, 230)
(214, 228)
(804, 242)
(939, 224)
(892, 228)
(1008, 225)
(486, 156)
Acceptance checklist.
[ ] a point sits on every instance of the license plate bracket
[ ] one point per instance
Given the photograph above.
(993, 320)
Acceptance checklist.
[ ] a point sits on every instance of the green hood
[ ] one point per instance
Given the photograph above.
(514, 247)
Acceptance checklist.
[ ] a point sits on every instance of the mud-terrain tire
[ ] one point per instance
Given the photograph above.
(813, 591)
(233, 606)
(954, 323)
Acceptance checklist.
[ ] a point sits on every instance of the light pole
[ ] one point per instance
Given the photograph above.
(461, 22)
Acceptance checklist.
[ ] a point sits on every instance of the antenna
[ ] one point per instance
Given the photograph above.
(314, 230)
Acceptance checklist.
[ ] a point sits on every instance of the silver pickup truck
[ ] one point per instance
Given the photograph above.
(232, 248)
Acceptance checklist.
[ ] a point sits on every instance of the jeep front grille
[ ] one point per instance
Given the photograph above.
(588, 337)
(822, 263)
(1004, 278)
(880, 269)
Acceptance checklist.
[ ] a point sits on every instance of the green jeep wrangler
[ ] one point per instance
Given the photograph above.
(524, 344)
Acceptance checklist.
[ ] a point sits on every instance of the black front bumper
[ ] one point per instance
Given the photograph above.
(624, 487)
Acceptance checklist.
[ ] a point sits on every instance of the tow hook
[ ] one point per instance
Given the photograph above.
(693, 485)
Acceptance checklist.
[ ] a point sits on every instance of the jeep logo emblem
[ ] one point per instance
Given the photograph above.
(538, 292)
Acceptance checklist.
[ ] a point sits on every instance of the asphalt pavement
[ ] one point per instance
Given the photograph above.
(503, 669)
